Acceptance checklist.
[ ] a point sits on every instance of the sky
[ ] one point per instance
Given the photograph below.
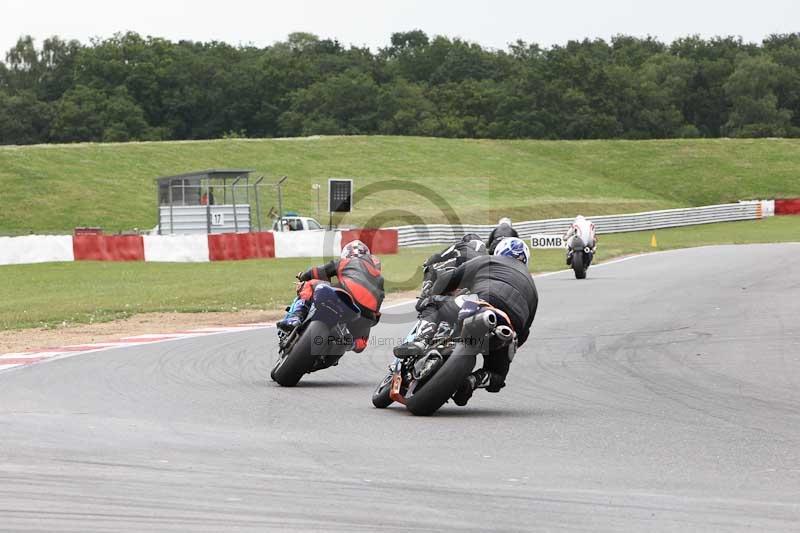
(494, 23)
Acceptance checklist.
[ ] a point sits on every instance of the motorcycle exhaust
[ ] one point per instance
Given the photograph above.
(486, 319)
(504, 333)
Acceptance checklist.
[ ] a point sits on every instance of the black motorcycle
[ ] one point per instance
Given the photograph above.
(425, 383)
(320, 340)
(579, 256)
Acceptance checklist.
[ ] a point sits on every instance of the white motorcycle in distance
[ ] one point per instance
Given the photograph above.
(581, 245)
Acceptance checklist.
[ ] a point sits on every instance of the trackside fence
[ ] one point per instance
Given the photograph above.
(422, 235)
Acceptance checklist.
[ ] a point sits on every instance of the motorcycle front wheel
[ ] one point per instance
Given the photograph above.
(290, 368)
(578, 264)
(381, 398)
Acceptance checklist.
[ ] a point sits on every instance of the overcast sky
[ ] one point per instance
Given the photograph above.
(492, 23)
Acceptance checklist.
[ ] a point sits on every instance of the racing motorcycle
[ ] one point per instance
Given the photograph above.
(320, 340)
(425, 383)
(579, 256)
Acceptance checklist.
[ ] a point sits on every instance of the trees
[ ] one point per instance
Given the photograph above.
(751, 89)
(130, 87)
(87, 114)
(24, 119)
(343, 104)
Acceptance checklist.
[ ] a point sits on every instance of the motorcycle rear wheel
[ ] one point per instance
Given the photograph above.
(438, 389)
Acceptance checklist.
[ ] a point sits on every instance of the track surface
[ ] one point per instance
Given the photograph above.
(663, 393)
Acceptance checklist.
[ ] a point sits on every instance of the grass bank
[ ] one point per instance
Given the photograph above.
(56, 293)
(54, 188)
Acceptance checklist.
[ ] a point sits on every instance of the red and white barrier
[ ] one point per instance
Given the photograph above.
(108, 247)
(35, 249)
(176, 248)
(379, 241)
(227, 246)
(307, 243)
(188, 248)
(787, 206)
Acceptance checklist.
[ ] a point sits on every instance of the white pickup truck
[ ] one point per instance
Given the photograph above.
(297, 223)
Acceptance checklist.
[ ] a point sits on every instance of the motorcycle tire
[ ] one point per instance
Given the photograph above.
(438, 389)
(578, 264)
(381, 398)
(289, 369)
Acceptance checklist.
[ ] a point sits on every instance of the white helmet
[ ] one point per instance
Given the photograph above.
(353, 249)
(504, 221)
(514, 247)
(580, 218)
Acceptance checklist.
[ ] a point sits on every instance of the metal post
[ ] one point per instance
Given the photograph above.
(317, 188)
(280, 202)
(280, 208)
(171, 219)
(158, 205)
(208, 207)
(258, 204)
(233, 197)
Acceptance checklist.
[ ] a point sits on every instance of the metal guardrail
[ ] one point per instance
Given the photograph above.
(442, 233)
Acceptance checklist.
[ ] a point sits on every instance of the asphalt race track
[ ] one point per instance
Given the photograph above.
(661, 394)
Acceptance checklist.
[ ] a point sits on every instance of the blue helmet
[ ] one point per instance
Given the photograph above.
(514, 247)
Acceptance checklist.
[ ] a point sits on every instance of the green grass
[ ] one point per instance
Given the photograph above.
(53, 188)
(83, 292)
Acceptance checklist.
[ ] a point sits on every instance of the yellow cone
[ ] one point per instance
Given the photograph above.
(653, 242)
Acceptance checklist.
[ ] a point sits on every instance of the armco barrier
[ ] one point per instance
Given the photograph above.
(379, 241)
(442, 233)
(787, 206)
(228, 246)
(108, 247)
(35, 249)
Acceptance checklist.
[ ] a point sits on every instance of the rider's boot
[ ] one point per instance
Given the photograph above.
(479, 379)
(297, 313)
(417, 346)
(359, 344)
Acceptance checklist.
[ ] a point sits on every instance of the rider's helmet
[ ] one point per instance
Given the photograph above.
(580, 218)
(354, 248)
(505, 221)
(471, 237)
(514, 247)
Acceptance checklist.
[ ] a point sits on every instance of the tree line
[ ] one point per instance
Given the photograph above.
(130, 87)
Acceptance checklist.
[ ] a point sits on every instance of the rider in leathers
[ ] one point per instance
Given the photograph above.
(359, 273)
(502, 280)
(503, 230)
(583, 228)
(468, 247)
